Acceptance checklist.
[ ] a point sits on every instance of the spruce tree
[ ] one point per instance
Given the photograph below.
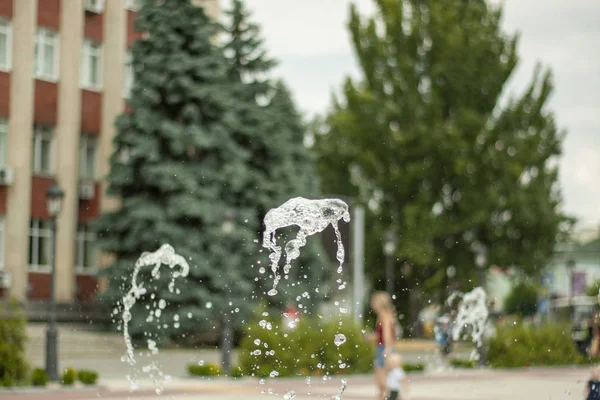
(177, 169)
(272, 129)
(424, 141)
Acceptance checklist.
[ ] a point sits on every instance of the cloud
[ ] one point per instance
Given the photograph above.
(310, 39)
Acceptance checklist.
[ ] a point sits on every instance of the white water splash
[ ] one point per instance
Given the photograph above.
(311, 216)
(472, 316)
(289, 395)
(341, 392)
(339, 339)
(165, 255)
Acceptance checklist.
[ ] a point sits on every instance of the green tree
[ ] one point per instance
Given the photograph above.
(594, 289)
(522, 300)
(272, 129)
(177, 168)
(423, 139)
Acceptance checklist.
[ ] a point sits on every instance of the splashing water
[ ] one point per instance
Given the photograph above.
(472, 316)
(289, 395)
(165, 255)
(312, 216)
(339, 339)
(341, 392)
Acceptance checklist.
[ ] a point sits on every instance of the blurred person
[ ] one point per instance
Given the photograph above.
(396, 380)
(594, 347)
(384, 336)
(290, 316)
(592, 387)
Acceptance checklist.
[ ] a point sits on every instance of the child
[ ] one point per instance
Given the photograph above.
(592, 389)
(397, 382)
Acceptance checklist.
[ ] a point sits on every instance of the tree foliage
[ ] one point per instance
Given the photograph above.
(522, 300)
(203, 136)
(425, 141)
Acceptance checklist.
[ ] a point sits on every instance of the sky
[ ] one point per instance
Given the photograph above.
(311, 42)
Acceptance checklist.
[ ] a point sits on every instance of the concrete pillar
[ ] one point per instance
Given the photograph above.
(113, 103)
(20, 136)
(72, 20)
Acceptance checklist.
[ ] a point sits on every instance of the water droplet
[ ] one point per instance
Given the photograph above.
(273, 374)
(262, 382)
(257, 342)
(162, 304)
(201, 362)
(209, 305)
(289, 395)
(189, 315)
(339, 339)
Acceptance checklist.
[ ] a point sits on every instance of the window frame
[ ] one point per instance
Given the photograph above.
(90, 49)
(85, 237)
(41, 133)
(36, 232)
(43, 37)
(85, 141)
(2, 238)
(132, 5)
(128, 75)
(6, 28)
(3, 142)
(96, 6)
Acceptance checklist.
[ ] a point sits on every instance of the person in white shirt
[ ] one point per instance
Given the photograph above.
(397, 381)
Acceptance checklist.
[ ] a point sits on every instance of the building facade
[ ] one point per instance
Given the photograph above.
(65, 76)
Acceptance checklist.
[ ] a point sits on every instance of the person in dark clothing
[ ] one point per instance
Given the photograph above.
(592, 388)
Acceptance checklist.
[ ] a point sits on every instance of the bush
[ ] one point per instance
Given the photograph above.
(409, 367)
(204, 370)
(309, 349)
(236, 372)
(13, 366)
(458, 363)
(527, 346)
(68, 376)
(87, 377)
(39, 377)
(522, 300)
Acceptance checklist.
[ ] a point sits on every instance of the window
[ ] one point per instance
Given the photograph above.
(5, 44)
(133, 5)
(43, 149)
(46, 54)
(1, 242)
(94, 5)
(91, 65)
(87, 156)
(40, 236)
(85, 251)
(128, 78)
(3, 141)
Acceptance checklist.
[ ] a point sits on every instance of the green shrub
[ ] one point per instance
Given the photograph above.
(527, 346)
(236, 372)
(87, 377)
(522, 300)
(458, 363)
(39, 377)
(204, 370)
(13, 366)
(68, 376)
(309, 349)
(410, 367)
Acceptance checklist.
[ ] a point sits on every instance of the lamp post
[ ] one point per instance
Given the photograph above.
(389, 249)
(570, 269)
(227, 228)
(450, 273)
(54, 198)
(481, 261)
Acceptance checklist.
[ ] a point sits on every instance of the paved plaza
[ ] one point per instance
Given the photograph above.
(531, 384)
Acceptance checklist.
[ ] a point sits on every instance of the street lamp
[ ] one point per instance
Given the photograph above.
(570, 269)
(54, 199)
(389, 249)
(481, 260)
(227, 228)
